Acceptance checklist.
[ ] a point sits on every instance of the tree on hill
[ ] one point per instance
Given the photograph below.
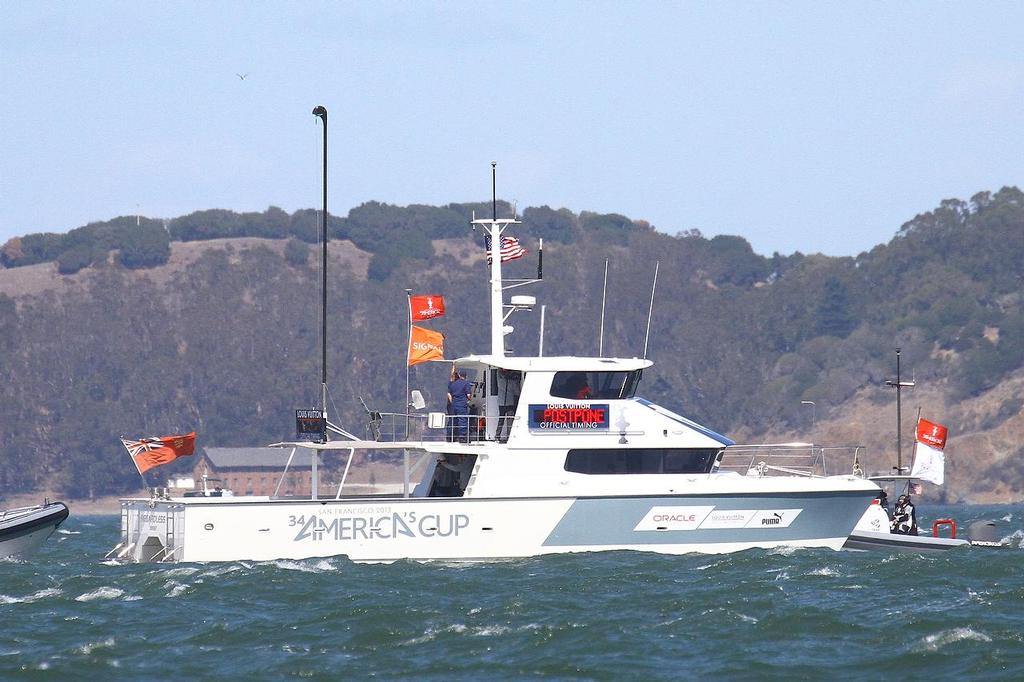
(834, 314)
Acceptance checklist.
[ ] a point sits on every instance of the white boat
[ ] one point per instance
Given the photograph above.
(874, 530)
(552, 473)
(23, 530)
(877, 530)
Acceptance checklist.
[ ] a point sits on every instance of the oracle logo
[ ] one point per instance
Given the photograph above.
(677, 518)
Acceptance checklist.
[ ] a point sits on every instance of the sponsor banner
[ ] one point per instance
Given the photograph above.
(774, 518)
(310, 425)
(729, 518)
(569, 417)
(697, 517)
(673, 518)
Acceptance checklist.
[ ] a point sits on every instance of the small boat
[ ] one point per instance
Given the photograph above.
(23, 530)
(877, 530)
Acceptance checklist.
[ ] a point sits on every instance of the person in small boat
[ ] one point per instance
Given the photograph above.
(904, 517)
(458, 402)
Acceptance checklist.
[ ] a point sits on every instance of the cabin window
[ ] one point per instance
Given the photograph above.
(595, 385)
(641, 461)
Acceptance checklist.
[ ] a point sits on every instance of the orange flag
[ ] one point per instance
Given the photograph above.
(425, 345)
(426, 307)
(153, 452)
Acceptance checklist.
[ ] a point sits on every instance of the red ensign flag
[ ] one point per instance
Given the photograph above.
(426, 307)
(153, 452)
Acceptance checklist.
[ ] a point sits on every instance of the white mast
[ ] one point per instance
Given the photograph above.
(494, 229)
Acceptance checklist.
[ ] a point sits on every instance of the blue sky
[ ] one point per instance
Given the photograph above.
(813, 127)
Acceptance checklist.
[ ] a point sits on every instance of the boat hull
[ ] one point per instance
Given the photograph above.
(23, 531)
(468, 529)
(891, 542)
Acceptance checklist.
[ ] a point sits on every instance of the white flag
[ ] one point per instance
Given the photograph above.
(929, 463)
(929, 459)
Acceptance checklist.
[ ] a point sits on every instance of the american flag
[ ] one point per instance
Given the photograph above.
(510, 249)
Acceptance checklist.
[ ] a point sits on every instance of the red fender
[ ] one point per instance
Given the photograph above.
(944, 522)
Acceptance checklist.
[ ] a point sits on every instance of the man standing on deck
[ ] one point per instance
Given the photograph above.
(458, 403)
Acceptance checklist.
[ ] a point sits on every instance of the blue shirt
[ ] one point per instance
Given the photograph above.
(459, 391)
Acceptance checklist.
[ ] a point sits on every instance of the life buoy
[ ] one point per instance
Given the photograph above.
(944, 522)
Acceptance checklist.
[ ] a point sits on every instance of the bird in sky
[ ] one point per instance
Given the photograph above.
(242, 75)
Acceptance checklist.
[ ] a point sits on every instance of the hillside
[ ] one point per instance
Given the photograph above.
(211, 322)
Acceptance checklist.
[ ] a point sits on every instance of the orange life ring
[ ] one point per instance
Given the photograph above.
(944, 522)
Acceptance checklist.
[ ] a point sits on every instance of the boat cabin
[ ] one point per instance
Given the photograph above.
(564, 421)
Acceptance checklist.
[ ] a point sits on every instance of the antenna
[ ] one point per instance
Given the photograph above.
(540, 349)
(899, 386)
(321, 113)
(494, 190)
(650, 312)
(604, 296)
(540, 258)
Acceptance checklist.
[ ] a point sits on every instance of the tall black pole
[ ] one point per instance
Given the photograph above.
(899, 418)
(322, 113)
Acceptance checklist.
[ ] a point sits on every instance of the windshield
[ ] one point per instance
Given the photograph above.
(595, 385)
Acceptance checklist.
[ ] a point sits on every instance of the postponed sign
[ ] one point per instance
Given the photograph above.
(569, 417)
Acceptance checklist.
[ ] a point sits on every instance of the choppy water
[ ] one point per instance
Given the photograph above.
(619, 615)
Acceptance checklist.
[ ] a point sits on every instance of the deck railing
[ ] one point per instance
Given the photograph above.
(792, 460)
(391, 427)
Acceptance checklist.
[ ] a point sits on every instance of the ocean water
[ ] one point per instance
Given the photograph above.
(760, 614)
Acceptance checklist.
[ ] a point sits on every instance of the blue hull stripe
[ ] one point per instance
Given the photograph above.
(611, 521)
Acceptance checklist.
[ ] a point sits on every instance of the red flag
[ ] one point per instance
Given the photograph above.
(426, 307)
(931, 434)
(153, 452)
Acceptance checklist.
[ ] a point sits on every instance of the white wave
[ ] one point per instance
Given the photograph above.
(744, 617)
(132, 597)
(177, 590)
(101, 593)
(29, 598)
(1014, 539)
(783, 550)
(110, 562)
(308, 566)
(431, 633)
(181, 570)
(491, 630)
(1008, 518)
(947, 637)
(782, 575)
(826, 571)
(64, 531)
(90, 647)
(223, 569)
